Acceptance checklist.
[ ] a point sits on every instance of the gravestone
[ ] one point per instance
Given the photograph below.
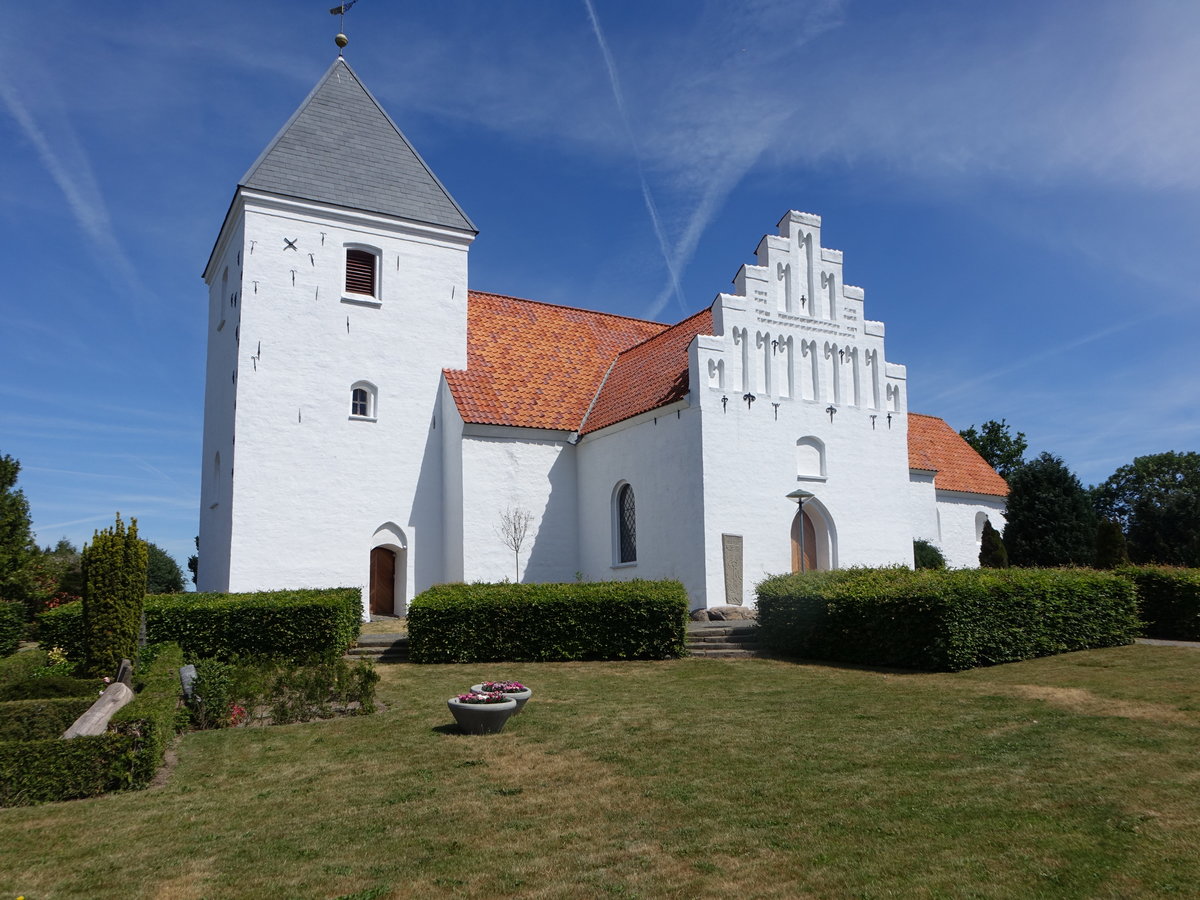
(187, 677)
(731, 550)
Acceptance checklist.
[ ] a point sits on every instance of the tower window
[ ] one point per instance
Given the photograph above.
(360, 272)
(362, 400)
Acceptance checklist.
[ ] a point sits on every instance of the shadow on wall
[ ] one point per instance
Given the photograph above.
(553, 554)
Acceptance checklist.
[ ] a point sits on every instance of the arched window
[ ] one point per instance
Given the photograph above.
(362, 272)
(362, 400)
(625, 525)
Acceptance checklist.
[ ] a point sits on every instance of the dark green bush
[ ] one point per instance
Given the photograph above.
(35, 720)
(127, 756)
(20, 666)
(296, 625)
(945, 621)
(50, 687)
(992, 552)
(541, 622)
(1169, 600)
(12, 627)
(114, 586)
(927, 556)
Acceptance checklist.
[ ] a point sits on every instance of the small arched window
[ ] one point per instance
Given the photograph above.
(362, 400)
(625, 514)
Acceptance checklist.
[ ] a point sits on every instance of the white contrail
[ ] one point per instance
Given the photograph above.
(611, 66)
(83, 197)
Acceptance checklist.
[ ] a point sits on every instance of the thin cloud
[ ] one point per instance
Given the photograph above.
(76, 180)
(615, 82)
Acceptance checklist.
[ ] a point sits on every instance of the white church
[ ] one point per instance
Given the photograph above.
(370, 420)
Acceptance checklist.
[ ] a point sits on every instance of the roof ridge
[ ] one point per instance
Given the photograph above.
(665, 331)
(591, 312)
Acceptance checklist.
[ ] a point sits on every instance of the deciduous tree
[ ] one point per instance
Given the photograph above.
(1156, 499)
(994, 441)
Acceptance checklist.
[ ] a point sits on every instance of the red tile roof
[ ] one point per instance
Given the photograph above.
(537, 365)
(648, 375)
(934, 446)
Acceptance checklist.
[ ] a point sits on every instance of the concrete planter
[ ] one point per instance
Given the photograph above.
(481, 718)
(522, 697)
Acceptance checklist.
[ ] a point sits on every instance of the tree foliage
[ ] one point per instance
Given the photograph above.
(114, 586)
(1156, 499)
(992, 552)
(163, 575)
(927, 556)
(993, 441)
(17, 549)
(1111, 550)
(1050, 517)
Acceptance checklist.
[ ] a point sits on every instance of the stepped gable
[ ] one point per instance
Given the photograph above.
(648, 375)
(341, 148)
(537, 365)
(934, 446)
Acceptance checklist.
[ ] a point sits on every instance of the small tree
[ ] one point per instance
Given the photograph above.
(194, 562)
(114, 586)
(927, 556)
(513, 527)
(17, 549)
(992, 553)
(163, 575)
(1111, 551)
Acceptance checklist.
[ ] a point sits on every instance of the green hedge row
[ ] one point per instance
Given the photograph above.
(541, 622)
(945, 621)
(1169, 599)
(127, 756)
(12, 626)
(293, 625)
(20, 666)
(35, 720)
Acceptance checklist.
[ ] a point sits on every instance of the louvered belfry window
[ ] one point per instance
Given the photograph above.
(626, 525)
(360, 272)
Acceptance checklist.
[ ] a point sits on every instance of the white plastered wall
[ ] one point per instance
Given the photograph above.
(961, 516)
(790, 345)
(312, 483)
(518, 469)
(659, 455)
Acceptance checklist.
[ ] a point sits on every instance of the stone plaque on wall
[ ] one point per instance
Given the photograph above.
(731, 551)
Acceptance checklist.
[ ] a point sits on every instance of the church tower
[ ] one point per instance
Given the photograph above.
(337, 293)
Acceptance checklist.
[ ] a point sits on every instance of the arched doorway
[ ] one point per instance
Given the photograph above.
(383, 581)
(809, 543)
(388, 586)
(820, 538)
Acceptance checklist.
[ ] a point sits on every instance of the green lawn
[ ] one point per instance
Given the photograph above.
(1073, 776)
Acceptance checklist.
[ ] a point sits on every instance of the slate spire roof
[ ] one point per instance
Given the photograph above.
(341, 148)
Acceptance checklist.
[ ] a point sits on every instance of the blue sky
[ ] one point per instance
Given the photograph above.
(1016, 186)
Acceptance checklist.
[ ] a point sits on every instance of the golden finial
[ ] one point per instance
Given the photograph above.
(340, 10)
(341, 40)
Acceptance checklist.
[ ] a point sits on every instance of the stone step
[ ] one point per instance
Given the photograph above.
(724, 654)
(720, 645)
(748, 637)
(387, 648)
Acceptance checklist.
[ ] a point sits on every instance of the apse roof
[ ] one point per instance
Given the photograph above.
(341, 148)
(934, 446)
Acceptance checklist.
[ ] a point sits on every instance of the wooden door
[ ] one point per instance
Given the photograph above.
(810, 543)
(383, 582)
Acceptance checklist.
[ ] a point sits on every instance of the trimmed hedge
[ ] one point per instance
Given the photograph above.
(1169, 599)
(457, 623)
(292, 625)
(12, 626)
(35, 720)
(20, 666)
(945, 621)
(127, 756)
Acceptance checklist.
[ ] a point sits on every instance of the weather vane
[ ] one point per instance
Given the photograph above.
(341, 40)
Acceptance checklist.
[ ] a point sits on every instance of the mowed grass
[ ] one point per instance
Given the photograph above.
(1073, 776)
